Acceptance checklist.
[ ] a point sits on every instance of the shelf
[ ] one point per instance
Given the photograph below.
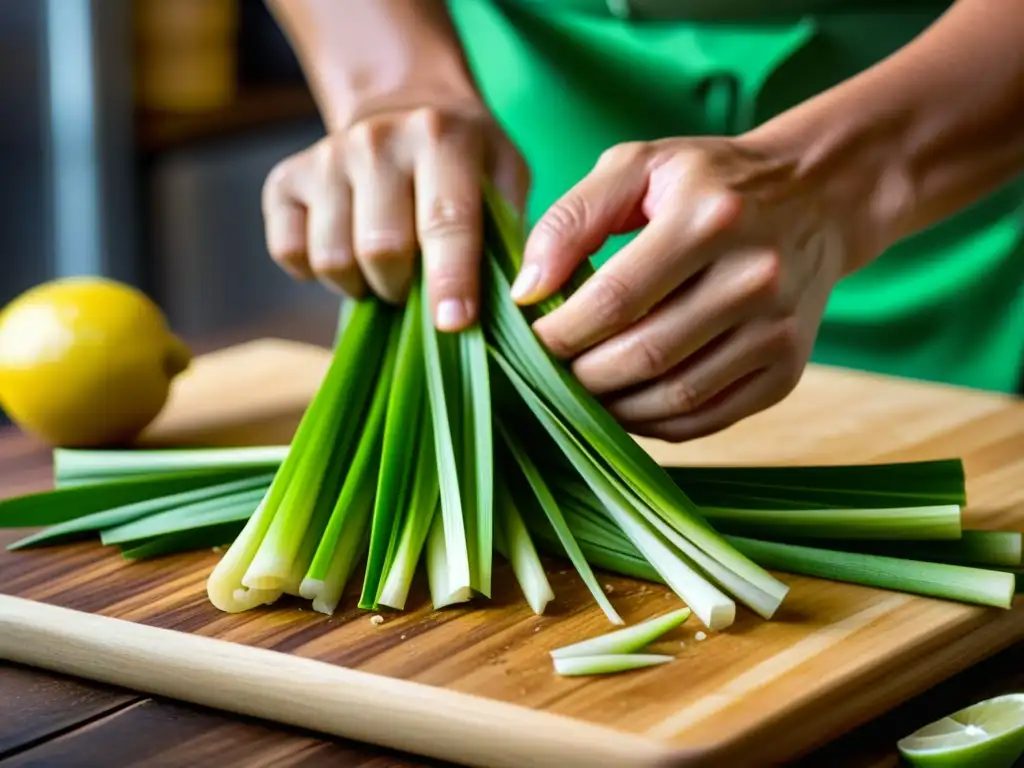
(254, 109)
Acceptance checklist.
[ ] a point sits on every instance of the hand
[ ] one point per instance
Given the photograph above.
(709, 315)
(352, 209)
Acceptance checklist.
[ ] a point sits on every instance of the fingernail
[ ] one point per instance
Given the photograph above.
(451, 315)
(526, 282)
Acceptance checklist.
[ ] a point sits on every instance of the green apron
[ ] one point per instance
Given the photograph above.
(569, 78)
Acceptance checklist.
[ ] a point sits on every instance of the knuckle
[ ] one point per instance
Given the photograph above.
(384, 247)
(761, 281)
(784, 339)
(611, 299)
(683, 397)
(430, 124)
(369, 137)
(622, 154)
(568, 215)
(278, 181)
(649, 358)
(447, 218)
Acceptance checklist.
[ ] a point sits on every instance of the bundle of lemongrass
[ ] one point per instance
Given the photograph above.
(422, 447)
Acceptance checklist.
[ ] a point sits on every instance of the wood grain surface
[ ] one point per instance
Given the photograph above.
(836, 656)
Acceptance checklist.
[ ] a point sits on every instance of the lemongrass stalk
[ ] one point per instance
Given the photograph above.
(442, 594)
(421, 509)
(547, 503)
(203, 537)
(982, 548)
(119, 515)
(625, 640)
(441, 353)
(345, 538)
(340, 405)
(514, 339)
(224, 586)
(402, 427)
(951, 582)
(580, 666)
(223, 509)
(73, 465)
(710, 605)
(63, 505)
(512, 540)
(476, 470)
(932, 522)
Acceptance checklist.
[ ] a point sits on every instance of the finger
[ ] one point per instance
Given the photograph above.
(511, 176)
(449, 222)
(383, 220)
(729, 292)
(691, 386)
(330, 237)
(672, 248)
(284, 217)
(746, 397)
(578, 224)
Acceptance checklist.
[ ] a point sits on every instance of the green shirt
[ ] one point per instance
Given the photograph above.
(945, 305)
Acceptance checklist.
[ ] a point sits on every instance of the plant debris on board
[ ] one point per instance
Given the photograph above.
(436, 449)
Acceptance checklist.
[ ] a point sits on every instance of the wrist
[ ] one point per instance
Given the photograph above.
(848, 162)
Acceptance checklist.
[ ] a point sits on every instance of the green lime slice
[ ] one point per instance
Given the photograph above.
(989, 734)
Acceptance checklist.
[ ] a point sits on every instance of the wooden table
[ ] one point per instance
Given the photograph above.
(49, 720)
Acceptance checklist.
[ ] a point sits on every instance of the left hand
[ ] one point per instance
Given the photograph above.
(709, 315)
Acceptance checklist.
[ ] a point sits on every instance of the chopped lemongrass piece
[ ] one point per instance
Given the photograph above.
(513, 542)
(933, 522)
(441, 355)
(547, 503)
(345, 539)
(951, 582)
(625, 640)
(74, 465)
(578, 666)
(1000, 548)
(402, 427)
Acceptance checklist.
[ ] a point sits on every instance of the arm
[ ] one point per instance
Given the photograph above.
(399, 172)
(710, 313)
(924, 133)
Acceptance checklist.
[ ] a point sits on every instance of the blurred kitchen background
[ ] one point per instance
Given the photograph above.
(134, 139)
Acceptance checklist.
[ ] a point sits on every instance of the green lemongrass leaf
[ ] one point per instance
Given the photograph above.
(63, 505)
(442, 594)
(620, 560)
(514, 339)
(441, 352)
(345, 393)
(108, 518)
(951, 582)
(578, 666)
(345, 311)
(229, 508)
(419, 515)
(923, 483)
(184, 541)
(225, 586)
(402, 425)
(983, 548)
(751, 496)
(74, 465)
(345, 539)
(547, 503)
(513, 542)
(477, 467)
(625, 640)
(942, 522)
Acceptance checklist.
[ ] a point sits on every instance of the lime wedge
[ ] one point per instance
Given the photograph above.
(989, 734)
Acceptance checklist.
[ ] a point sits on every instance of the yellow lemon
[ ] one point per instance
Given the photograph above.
(86, 361)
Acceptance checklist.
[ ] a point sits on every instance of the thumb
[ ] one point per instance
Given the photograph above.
(604, 203)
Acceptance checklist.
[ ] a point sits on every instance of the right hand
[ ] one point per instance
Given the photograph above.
(353, 209)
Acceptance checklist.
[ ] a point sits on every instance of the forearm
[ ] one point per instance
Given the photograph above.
(922, 134)
(365, 57)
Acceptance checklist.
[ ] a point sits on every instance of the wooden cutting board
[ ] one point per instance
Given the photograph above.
(759, 693)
